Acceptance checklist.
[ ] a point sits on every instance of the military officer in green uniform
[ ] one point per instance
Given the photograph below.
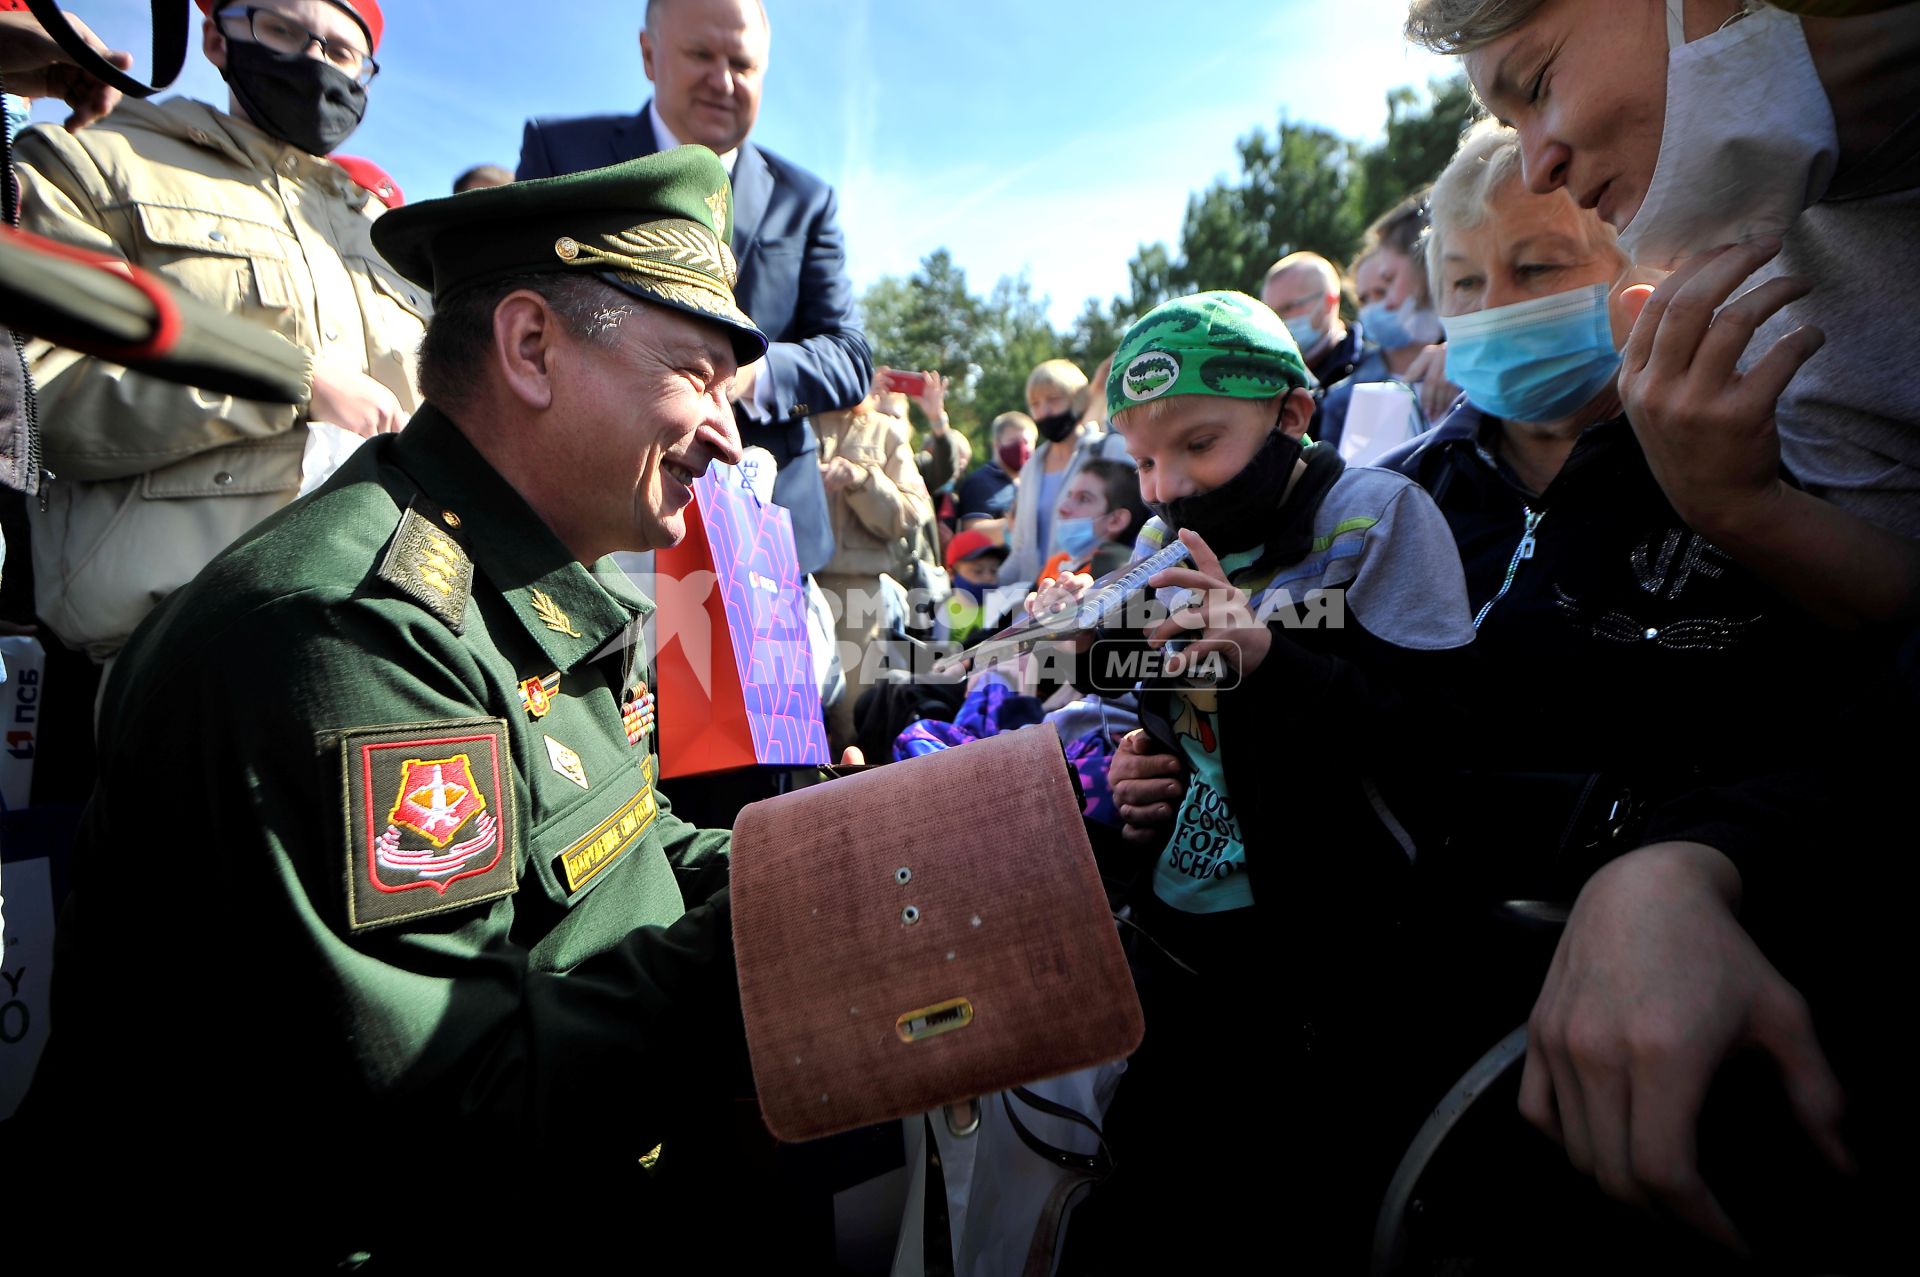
(384, 944)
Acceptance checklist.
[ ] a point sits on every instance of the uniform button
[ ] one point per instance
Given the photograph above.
(293, 199)
(198, 135)
(451, 519)
(292, 165)
(216, 236)
(1651, 633)
(223, 478)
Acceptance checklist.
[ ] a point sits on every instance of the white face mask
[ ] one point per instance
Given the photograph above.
(1749, 140)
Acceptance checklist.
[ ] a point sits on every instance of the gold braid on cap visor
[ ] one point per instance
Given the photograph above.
(677, 258)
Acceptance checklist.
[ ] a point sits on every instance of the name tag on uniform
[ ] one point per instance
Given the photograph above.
(609, 840)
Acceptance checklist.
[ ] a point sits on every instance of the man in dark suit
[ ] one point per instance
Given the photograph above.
(707, 60)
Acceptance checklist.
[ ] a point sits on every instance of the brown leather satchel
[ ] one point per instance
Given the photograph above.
(924, 933)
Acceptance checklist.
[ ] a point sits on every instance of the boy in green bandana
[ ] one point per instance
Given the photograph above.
(1335, 599)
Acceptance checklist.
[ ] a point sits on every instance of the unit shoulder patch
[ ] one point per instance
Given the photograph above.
(430, 819)
(427, 563)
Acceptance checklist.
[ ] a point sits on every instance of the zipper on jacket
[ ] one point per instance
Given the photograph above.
(1522, 551)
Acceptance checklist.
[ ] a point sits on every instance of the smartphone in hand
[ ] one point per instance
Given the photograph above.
(906, 383)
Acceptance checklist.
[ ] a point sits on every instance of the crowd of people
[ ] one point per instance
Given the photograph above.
(1552, 567)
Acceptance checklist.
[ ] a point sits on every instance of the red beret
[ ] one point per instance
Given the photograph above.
(365, 12)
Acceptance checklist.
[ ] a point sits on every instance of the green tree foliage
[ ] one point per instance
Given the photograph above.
(1420, 140)
(1297, 190)
(1299, 187)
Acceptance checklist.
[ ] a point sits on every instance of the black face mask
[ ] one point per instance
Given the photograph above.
(298, 99)
(1238, 514)
(1057, 427)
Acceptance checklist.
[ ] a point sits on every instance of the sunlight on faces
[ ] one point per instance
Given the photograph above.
(984, 570)
(708, 62)
(1387, 276)
(1048, 401)
(1585, 84)
(324, 19)
(1194, 443)
(638, 422)
(1299, 292)
(1086, 497)
(1528, 246)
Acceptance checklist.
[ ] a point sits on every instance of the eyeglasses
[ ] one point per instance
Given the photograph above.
(280, 33)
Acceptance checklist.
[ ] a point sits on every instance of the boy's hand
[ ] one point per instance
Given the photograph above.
(1058, 592)
(1217, 610)
(1147, 782)
(1707, 428)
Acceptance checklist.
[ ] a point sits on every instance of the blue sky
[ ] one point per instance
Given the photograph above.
(1047, 137)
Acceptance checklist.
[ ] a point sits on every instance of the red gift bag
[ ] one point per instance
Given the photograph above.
(736, 684)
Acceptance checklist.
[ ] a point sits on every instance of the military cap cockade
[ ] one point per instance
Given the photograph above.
(656, 227)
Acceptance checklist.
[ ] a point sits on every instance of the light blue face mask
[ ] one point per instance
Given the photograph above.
(1306, 332)
(1394, 329)
(19, 115)
(1536, 360)
(1076, 537)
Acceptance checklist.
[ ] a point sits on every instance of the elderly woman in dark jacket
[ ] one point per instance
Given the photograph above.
(1631, 675)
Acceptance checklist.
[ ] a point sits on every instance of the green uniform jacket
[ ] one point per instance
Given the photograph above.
(426, 926)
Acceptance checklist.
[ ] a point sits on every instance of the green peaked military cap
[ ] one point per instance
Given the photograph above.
(657, 227)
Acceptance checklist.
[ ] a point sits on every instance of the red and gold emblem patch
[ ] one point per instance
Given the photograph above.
(429, 821)
(536, 694)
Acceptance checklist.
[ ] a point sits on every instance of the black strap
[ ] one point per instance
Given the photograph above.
(1291, 537)
(169, 46)
(936, 1229)
(1099, 1163)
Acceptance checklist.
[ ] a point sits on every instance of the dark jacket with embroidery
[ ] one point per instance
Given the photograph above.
(1613, 639)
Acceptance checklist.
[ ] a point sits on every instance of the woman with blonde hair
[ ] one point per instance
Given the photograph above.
(1067, 442)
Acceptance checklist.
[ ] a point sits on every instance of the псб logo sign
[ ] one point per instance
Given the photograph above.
(1150, 375)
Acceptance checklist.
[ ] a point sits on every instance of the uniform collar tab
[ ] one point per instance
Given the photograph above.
(567, 609)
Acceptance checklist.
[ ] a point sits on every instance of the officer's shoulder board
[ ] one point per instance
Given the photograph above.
(430, 819)
(427, 562)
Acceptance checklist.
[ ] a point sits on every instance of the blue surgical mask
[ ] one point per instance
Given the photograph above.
(1536, 360)
(19, 115)
(1395, 329)
(1076, 537)
(1306, 331)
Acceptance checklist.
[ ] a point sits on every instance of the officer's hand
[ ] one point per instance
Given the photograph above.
(1146, 782)
(36, 67)
(354, 401)
(1653, 985)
